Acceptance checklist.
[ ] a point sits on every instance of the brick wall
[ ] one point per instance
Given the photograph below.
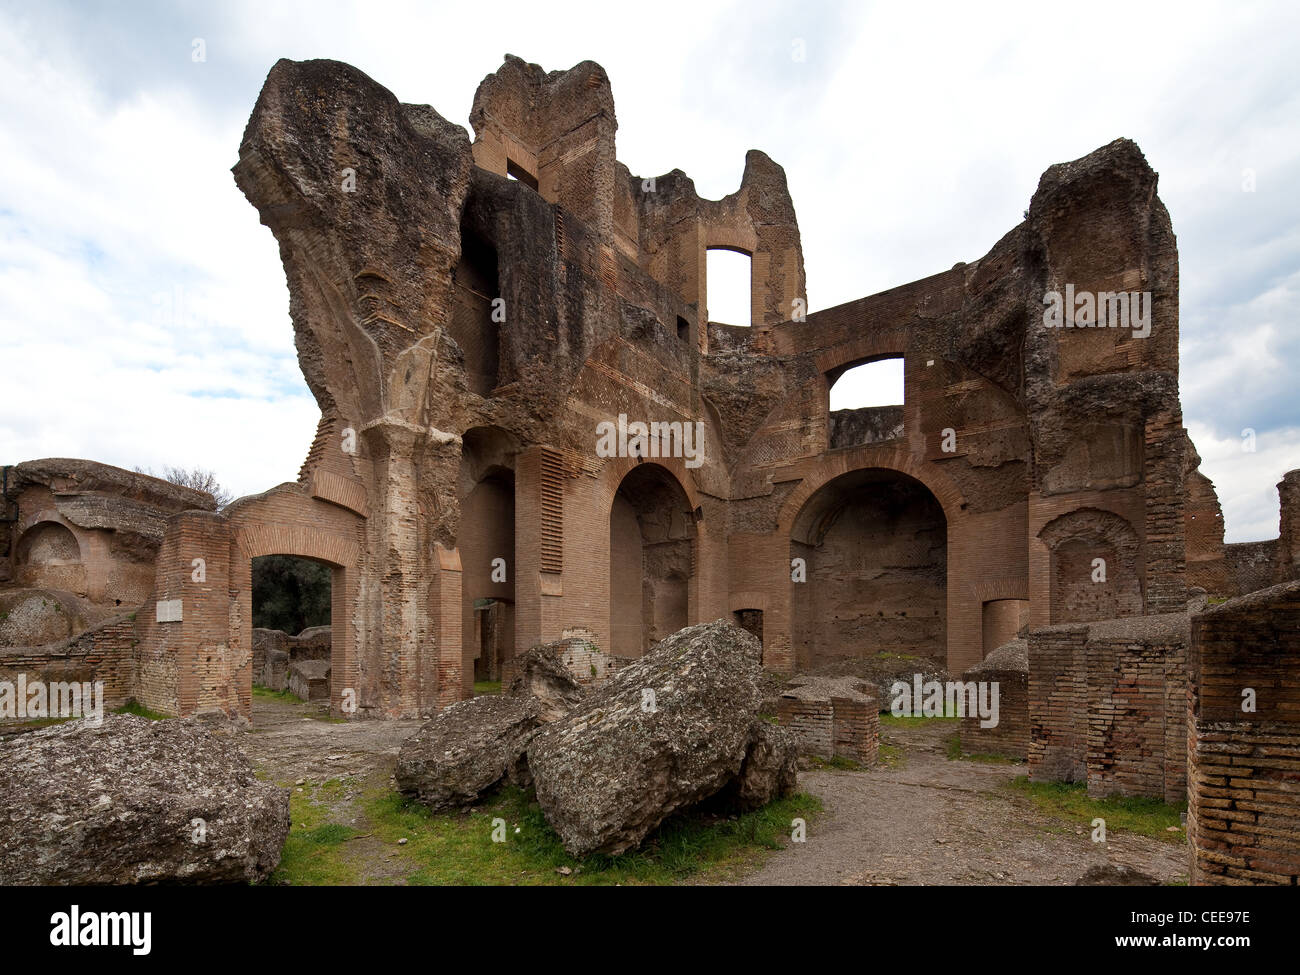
(832, 727)
(1010, 736)
(1243, 820)
(101, 653)
(1106, 706)
(1249, 566)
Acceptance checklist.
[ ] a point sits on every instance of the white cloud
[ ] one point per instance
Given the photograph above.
(912, 136)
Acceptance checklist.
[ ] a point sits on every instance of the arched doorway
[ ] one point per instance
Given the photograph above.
(869, 568)
(651, 559)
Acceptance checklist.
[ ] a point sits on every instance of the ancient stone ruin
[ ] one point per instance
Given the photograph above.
(532, 431)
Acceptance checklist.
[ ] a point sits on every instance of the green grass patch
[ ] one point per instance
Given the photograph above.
(260, 691)
(987, 758)
(890, 756)
(140, 711)
(458, 848)
(313, 855)
(887, 719)
(1069, 801)
(487, 687)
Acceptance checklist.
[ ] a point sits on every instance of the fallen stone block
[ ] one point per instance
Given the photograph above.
(466, 749)
(133, 801)
(310, 679)
(664, 733)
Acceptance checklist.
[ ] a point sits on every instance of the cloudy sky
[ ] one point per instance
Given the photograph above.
(143, 311)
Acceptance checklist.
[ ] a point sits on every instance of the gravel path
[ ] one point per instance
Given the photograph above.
(927, 821)
(936, 821)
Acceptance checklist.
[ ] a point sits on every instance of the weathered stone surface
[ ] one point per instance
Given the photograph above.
(275, 670)
(117, 803)
(310, 679)
(770, 769)
(540, 673)
(621, 763)
(466, 749)
(32, 617)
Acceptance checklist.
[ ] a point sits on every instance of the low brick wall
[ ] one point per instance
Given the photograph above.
(580, 655)
(1250, 566)
(1008, 668)
(832, 718)
(101, 653)
(1243, 819)
(1107, 706)
(813, 723)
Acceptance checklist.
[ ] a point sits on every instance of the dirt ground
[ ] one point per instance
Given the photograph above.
(928, 820)
(936, 821)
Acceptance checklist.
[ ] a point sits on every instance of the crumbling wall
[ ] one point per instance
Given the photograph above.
(1106, 705)
(1008, 668)
(1243, 746)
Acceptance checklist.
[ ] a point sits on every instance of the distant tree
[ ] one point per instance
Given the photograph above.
(199, 478)
(290, 593)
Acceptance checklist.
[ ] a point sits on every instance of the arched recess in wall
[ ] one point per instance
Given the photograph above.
(48, 556)
(866, 402)
(729, 276)
(873, 545)
(1094, 566)
(651, 559)
(486, 541)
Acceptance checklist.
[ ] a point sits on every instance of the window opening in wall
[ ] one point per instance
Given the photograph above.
(729, 275)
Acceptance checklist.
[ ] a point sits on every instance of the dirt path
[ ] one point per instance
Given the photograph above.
(928, 820)
(936, 821)
(291, 740)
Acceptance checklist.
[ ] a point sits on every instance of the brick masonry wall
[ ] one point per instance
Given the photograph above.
(834, 728)
(813, 722)
(856, 730)
(1057, 712)
(1136, 694)
(1106, 706)
(1249, 566)
(1243, 820)
(1010, 736)
(101, 653)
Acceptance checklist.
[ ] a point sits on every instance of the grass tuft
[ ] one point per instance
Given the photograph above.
(1069, 801)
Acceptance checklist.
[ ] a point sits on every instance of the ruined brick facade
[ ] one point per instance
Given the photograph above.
(469, 311)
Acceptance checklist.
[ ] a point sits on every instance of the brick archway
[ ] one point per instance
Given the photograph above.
(286, 521)
(963, 611)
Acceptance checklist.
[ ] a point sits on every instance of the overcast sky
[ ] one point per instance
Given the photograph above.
(143, 310)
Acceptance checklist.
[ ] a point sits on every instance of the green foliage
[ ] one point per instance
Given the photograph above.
(290, 593)
(313, 853)
(487, 687)
(886, 718)
(890, 756)
(458, 849)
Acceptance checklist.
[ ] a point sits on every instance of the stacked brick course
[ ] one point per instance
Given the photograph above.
(1008, 667)
(101, 653)
(1243, 820)
(832, 718)
(1106, 706)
